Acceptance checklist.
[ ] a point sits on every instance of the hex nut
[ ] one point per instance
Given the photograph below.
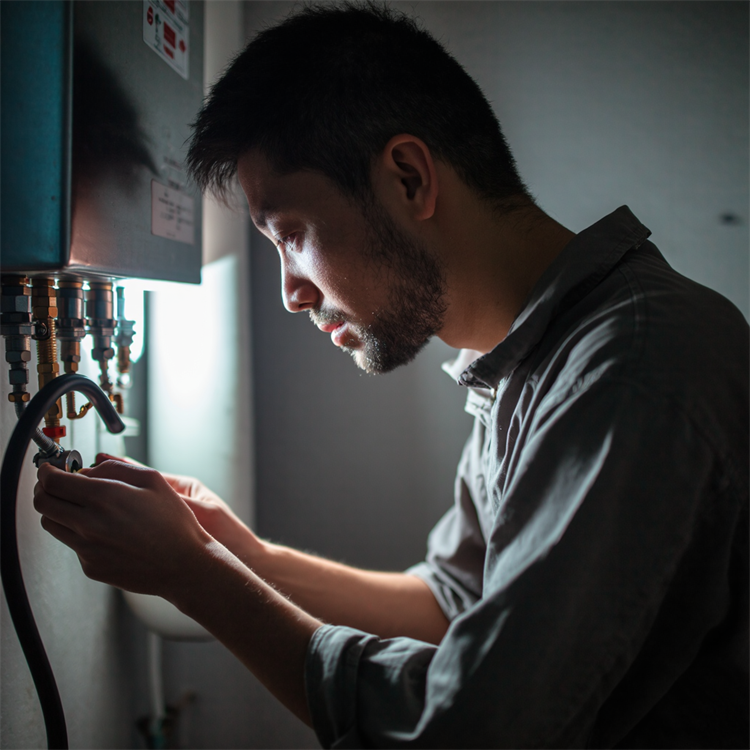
(16, 291)
(42, 293)
(14, 303)
(44, 311)
(19, 396)
(18, 356)
(17, 343)
(13, 323)
(18, 377)
(54, 412)
(71, 327)
(99, 353)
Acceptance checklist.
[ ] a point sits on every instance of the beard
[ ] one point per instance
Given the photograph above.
(416, 301)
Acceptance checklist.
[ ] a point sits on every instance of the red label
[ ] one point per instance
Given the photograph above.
(150, 16)
(169, 35)
(170, 5)
(169, 52)
(182, 45)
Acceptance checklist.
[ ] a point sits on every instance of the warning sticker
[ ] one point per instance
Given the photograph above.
(166, 30)
(171, 214)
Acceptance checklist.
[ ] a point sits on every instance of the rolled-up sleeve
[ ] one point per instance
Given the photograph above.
(620, 511)
(456, 547)
(358, 685)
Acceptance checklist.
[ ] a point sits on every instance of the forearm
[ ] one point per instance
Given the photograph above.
(385, 604)
(264, 630)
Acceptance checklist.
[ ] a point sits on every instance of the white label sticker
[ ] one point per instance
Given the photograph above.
(171, 214)
(166, 30)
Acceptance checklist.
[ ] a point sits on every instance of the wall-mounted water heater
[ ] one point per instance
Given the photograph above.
(96, 104)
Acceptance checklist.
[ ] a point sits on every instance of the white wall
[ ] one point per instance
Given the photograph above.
(606, 103)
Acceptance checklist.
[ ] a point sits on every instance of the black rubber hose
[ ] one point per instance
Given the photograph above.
(10, 564)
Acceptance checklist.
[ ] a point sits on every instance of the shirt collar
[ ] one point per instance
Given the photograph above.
(582, 264)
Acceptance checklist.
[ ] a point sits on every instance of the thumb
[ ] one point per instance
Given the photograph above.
(101, 457)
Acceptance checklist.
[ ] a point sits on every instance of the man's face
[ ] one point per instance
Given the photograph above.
(378, 292)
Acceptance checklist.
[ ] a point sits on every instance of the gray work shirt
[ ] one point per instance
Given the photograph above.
(595, 563)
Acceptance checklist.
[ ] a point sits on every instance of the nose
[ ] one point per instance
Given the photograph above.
(297, 291)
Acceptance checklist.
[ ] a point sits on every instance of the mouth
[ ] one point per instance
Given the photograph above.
(339, 335)
(334, 324)
(337, 331)
(330, 327)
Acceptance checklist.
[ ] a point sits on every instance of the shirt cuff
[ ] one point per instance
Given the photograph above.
(331, 668)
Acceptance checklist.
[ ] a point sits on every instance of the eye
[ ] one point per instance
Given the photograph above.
(289, 241)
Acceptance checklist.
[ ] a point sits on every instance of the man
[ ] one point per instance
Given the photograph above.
(589, 587)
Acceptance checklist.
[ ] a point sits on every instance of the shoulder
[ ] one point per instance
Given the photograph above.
(647, 336)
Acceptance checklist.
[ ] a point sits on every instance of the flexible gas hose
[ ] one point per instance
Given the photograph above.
(10, 565)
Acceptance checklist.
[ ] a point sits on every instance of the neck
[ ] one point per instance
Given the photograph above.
(492, 263)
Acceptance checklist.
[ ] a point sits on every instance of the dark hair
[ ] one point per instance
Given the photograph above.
(329, 86)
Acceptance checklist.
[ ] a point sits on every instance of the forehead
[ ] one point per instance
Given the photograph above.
(259, 183)
(271, 195)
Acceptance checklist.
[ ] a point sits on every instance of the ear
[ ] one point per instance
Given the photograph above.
(407, 173)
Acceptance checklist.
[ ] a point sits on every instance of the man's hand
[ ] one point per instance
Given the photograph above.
(131, 529)
(213, 514)
(128, 527)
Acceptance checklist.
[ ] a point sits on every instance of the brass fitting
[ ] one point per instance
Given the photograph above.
(123, 359)
(70, 407)
(124, 337)
(71, 330)
(43, 298)
(117, 400)
(44, 313)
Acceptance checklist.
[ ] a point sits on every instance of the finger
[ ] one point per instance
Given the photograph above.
(62, 533)
(102, 457)
(39, 492)
(60, 511)
(104, 482)
(62, 484)
(136, 476)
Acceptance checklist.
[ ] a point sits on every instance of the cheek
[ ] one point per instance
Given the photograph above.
(340, 266)
(336, 273)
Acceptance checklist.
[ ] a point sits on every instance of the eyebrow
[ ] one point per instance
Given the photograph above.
(260, 219)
